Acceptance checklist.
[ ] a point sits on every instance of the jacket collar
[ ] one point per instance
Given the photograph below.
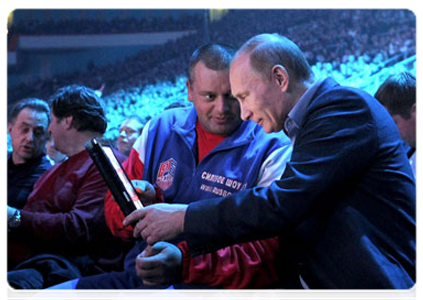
(185, 127)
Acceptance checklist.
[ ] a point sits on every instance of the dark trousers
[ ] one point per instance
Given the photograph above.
(37, 273)
(126, 280)
(25, 279)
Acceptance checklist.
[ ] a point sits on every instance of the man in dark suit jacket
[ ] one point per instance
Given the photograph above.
(400, 94)
(344, 209)
(27, 126)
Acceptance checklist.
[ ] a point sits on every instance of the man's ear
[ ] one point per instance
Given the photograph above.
(190, 97)
(415, 109)
(9, 127)
(68, 122)
(281, 76)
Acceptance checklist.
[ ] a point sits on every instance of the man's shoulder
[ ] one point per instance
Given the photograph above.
(262, 137)
(44, 164)
(179, 117)
(9, 154)
(38, 165)
(340, 100)
(79, 166)
(332, 92)
(174, 113)
(177, 112)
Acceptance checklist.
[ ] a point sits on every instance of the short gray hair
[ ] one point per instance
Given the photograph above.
(36, 104)
(267, 50)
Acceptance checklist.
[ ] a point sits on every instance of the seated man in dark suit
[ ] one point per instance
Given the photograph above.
(28, 122)
(345, 206)
(398, 95)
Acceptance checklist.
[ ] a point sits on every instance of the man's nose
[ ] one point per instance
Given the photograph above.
(30, 135)
(222, 105)
(245, 113)
(123, 133)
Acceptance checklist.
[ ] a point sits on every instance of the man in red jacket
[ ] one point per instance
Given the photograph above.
(61, 232)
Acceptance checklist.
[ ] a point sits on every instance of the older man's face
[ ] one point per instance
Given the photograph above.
(29, 135)
(407, 127)
(262, 101)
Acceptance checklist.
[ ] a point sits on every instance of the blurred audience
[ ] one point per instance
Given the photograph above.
(117, 24)
(129, 131)
(348, 45)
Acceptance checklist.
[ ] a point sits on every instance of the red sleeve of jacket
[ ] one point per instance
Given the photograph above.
(114, 216)
(246, 265)
(74, 205)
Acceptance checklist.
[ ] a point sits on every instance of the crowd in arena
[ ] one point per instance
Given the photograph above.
(115, 25)
(339, 42)
(268, 149)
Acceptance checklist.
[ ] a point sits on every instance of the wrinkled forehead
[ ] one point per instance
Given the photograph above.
(241, 74)
(32, 117)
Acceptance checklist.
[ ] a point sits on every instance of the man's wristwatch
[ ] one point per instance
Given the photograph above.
(15, 220)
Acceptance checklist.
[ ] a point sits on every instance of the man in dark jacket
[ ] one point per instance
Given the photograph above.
(398, 95)
(27, 126)
(344, 209)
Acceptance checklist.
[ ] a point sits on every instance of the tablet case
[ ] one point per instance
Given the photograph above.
(114, 175)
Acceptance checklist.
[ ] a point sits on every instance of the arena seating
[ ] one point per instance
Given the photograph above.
(356, 47)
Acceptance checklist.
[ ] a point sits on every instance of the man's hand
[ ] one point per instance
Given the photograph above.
(159, 264)
(10, 212)
(145, 191)
(276, 294)
(157, 222)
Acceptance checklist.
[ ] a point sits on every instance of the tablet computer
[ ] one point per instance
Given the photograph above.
(114, 175)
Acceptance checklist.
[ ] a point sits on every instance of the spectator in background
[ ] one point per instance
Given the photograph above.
(398, 95)
(129, 131)
(61, 232)
(27, 126)
(54, 155)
